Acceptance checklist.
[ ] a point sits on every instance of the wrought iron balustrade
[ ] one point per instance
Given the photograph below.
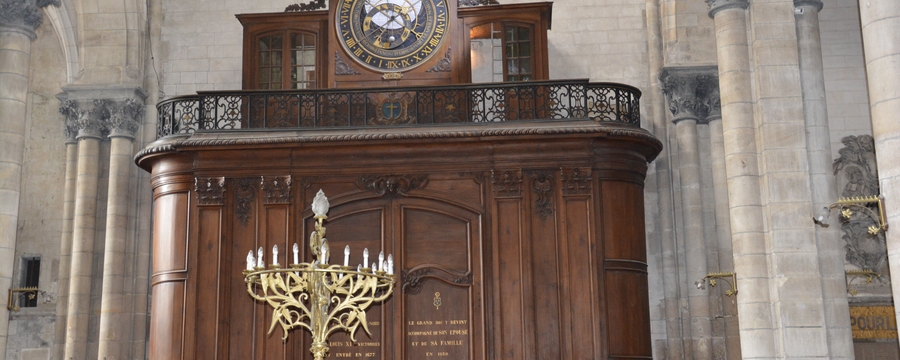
(396, 106)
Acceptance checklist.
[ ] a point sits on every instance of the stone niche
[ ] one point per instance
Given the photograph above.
(514, 241)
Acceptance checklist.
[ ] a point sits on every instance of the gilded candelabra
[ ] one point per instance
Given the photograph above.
(859, 203)
(318, 296)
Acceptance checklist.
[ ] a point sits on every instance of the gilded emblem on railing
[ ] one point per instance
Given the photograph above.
(393, 110)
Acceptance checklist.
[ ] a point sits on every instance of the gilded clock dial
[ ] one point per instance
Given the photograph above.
(391, 35)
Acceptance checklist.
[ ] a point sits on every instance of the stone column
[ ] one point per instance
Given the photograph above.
(742, 174)
(91, 124)
(674, 347)
(880, 28)
(821, 178)
(114, 332)
(685, 88)
(18, 19)
(65, 252)
(725, 254)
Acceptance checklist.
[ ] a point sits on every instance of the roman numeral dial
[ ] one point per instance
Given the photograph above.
(391, 35)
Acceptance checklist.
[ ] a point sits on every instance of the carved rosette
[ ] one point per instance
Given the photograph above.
(210, 190)
(412, 280)
(392, 185)
(277, 189)
(691, 92)
(542, 186)
(718, 5)
(507, 183)
(24, 14)
(576, 181)
(857, 176)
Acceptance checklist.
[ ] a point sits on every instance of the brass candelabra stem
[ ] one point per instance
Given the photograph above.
(320, 297)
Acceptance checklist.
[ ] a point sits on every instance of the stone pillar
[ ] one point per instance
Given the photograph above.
(18, 19)
(91, 125)
(114, 332)
(65, 252)
(725, 254)
(674, 344)
(821, 178)
(685, 89)
(742, 176)
(880, 28)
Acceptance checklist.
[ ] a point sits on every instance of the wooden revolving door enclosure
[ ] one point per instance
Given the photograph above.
(512, 240)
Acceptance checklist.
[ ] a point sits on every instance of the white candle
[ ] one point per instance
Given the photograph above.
(347, 255)
(390, 265)
(374, 266)
(366, 256)
(324, 253)
(380, 260)
(296, 254)
(259, 258)
(274, 254)
(358, 270)
(250, 260)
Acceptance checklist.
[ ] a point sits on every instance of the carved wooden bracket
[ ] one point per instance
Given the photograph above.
(210, 191)
(576, 181)
(507, 183)
(243, 199)
(277, 189)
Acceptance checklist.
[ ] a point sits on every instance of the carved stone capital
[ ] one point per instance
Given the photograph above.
(692, 93)
(718, 5)
(809, 3)
(23, 14)
(104, 111)
(125, 118)
(69, 109)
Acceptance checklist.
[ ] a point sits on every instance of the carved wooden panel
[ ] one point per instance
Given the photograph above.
(502, 251)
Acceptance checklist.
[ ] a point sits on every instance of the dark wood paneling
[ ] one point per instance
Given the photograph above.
(536, 264)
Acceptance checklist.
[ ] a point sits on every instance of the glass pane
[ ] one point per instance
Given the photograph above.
(511, 49)
(276, 58)
(511, 34)
(296, 41)
(264, 58)
(264, 75)
(294, 71)
(512, 67)
(276, 86)
(524, 34)
(309, 40)
(526, 78)
(513, 78)
(525, 49)
(526, 65)
(264, 43)
(276, 74)
(264, 85)
(276, 41)
(311, 85)
(309, 58)
(294, 56)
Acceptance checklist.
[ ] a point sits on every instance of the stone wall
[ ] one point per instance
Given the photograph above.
(40, 210)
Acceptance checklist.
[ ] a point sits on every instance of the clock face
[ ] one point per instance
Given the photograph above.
(391, 35)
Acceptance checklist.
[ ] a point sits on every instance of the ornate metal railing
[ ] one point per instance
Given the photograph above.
(328, 108)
